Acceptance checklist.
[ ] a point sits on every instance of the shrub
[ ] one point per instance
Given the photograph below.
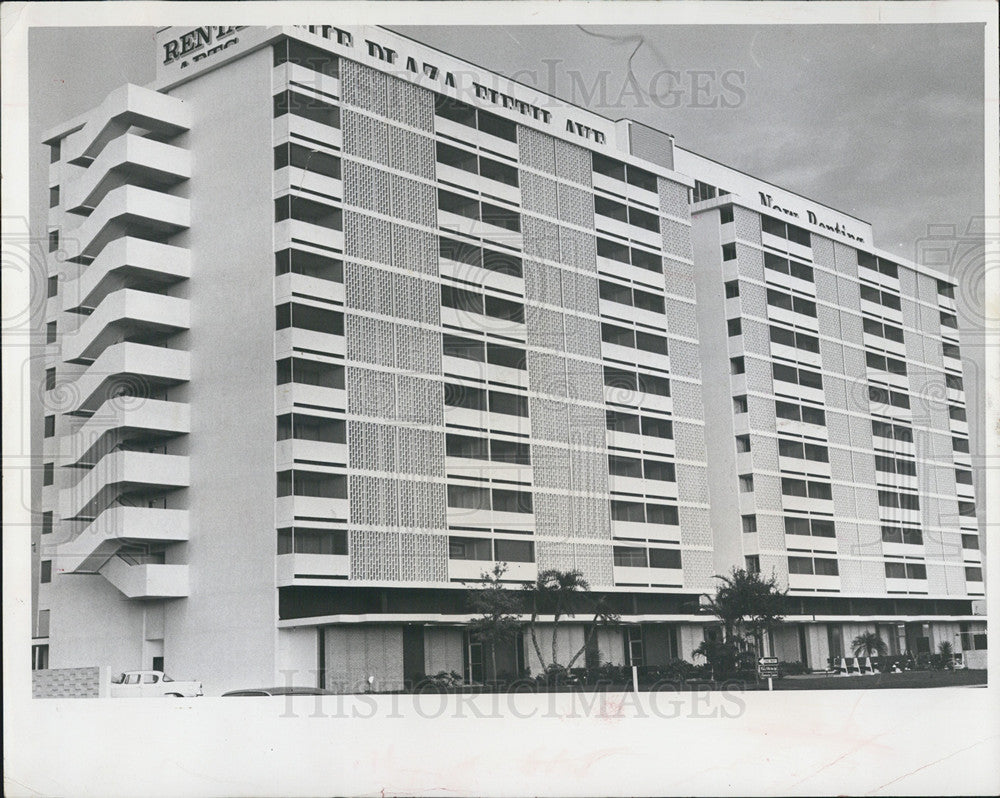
(791, 669)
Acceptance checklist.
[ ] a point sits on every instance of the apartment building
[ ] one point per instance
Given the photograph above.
(336, 321)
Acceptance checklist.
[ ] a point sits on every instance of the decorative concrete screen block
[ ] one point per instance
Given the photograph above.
(364, 87)
(843, 500)
(684, 360)
(422, 505)
(767, 492)
(370, 340)
(840, 464)
(832, 353)
(421, 451)
(679, 278)
(866, 498)
(418, 349)
(872, 577)
(413, 201)
(676, 237)
(851, 329)
(549, 419)
(365, 137)
(692, 485)
(698, 570)
(828, 320)
(416, 299)
(573, 163)
(369, 289)
(758, 374)
(846, 259)
(770, 531)
(536, 149)
(550, 466)
(370, 393)
(547, 374)
(826, 283)
(545, 328)
(587, 426)
(751, 262)
(374, 555)
(756, 338)
(538, 193)
(594, 560)
(553, 514)
(554, 554)
(367, 187)
(424, 558)
(747, 225)
(907, 282)
(687, 399)
(694, 526)
(775, 565)
(373, 501)
(865, 539)
(926, 288)
(837, 427)
(583, 337)
(674, 198)
(955, 578)
(689, 440)
(753, 300)
(848, 293)
(414, 250)
(70, 683)
(576, 206)
(836, 393)
(367, 238)
(411, 152)
(578, 249)
(589, 474)
(372, 446)
(409, 104)
(765, 452)
(419, 400)
(823, 252)
(761, 412)
(541, 238)
(542, 282)
(593, 517)
(851, 578)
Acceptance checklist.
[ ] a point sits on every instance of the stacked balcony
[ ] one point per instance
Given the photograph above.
(123, 471)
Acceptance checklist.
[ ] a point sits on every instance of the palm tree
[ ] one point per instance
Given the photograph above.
(499, 611)
(746, 604)
(869, 644)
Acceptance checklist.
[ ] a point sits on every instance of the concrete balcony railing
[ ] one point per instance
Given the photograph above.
(125, 107)
(123, 419)
(293, 178)
(128, 262)
(99, 541)
(287, 124)
(301, 285)
(643, 530)
(146, 581)
(130, 209)
(813, 582)
(286, 452)
(128, 159)
(628, 575)
(293, 395)
(124, 314)
(288, 340)
(288, 509)
(893, 585)
(293, 568)
(810, 542)
(124, 367)
(120, 473)
(289, 232)
(472, 570)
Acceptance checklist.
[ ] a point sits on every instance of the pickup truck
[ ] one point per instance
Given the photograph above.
(156, 684)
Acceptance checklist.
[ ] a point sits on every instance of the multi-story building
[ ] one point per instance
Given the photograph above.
(337, 321)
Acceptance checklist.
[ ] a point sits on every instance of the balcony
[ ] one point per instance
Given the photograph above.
(905, 585)
(304, 568)
(120, 420)
(626, 396)
(454, 222)
(478, 370)
(643, 277)
(289, 509)
(486, 469)
(99, 541)
(813, 582)
(290, 339)
(294, 231)
(472, 570)
(120, 473)
(805, 504)
(146, 580)
(472, 181)
(127, 159)
(125, 367)
(610, 309)
(470, 135)
(126, 107)
(652, 487)
(810, 542)
(642, 531)
(132, 262)
(292, 178)
(629, 575)
(286, 75)
(627, 354)
(130, 209)
(292, 450)
(304, 286)
(467, 516)
(480, 276)
(125, 314)
(293, 395)
(288, 124)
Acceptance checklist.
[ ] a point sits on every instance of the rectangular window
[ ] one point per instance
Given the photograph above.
(312, 161)
(969, 541)
(725, 214)
(800, 565)
(48, 474)
(308, 264)
(53, 240)
(311, 483)
(739, 405)
(50, 426)
(753, 563)
(630, 556)
(514, 550)
(300, 426)
(47, 525)
(301, 540)
(653, 384)
(732, 289)
(52, 286)
(507, 356)
(46, 573)
(665, 514)
(825, 567)
(746, 483)
(973, 573)
(510, 404)
(749, 524)
(53, 196)
(309, 372)
(608, 167)
(655, 427)
(469, 549)
(729, 252)
(296, 52)
(461, 299)
(633, 512)
(469, 497)
(467, 446)
(504, 309)
(512, 501)
(734, 327)
(308, 317)
(50, 379)
(464, 396)
(510, 452)
(659, 470)
(55, 151)
(301, 209)
(895, 570)
(664, 558)
(619, 378)
(737, 365)
(742, 444)
(306, 106)
(622, 422)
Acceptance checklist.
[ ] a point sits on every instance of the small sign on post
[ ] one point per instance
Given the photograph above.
(768, 667)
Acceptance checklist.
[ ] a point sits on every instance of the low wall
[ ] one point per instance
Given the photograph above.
(975, 659)
(92, 682)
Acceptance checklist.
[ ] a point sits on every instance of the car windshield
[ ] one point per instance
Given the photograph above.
(167, 678)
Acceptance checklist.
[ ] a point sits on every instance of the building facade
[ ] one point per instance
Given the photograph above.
(336, 321)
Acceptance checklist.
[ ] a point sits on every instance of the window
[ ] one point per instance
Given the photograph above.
(296, 52)
(753, 563)
(306, 106)
(633, 512)
(46, 573)
(465, 348)
(50, 332)
(620, 378)
(308, 264)
(664, 558)
(476, 164)
(945, 289)
(953, 382)
(311, 428)
(729, 252)
(798, 304)
(820, 566)
(469, 497)
(734, 327)
(464, 114)
(665, 514)
(50, 426)
(53, 240)
(53, 196)
(512, 501)
(899, 432)
(732, 289)
(796, 235)
(799, 340)
(464, 396)
(507, 356)
(50, 379)
(655, 427)
(300, 540)
(301, 209)
(963, 477)
(749, 524)
(885, 396)
(308, 317)
(905, 570)
(703, 191)
(960, 445)
(659, 470)
(967, 509)
(469, 548)
(622, 422)
(883, 363)
(312, 161)
(956, 413)
(800, 565)
(52, 286)
(310, 372)
(902, 534)
(624, 295)
(725, 214)
(973, 574)
(510, 452)
(969, 541)
(884, 298)
(737, 365)
(40, 656)
(625, 466)
(55, 151)
(787, 266)
(739, 405)
(47, 523)
(653, 384)
(630, 556)
(48, 473)
(461, 298)
(467, 446)
(633, 175)
(869, 261)
(643, 259)
(514, 550)
(504, 309)
(803, 377)
(746, 483)
(893, 466)
(742, 444)
(947, 320)
(312, 483)
(510, 404)
(815, 527)
(825, 566)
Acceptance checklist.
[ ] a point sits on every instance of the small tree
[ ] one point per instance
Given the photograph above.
(499, 611)
(869, 644)
(947, 652)
(747, 606)
(556, 592)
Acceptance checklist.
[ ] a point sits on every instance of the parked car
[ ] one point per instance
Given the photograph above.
(268, 691)
(146, 684)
